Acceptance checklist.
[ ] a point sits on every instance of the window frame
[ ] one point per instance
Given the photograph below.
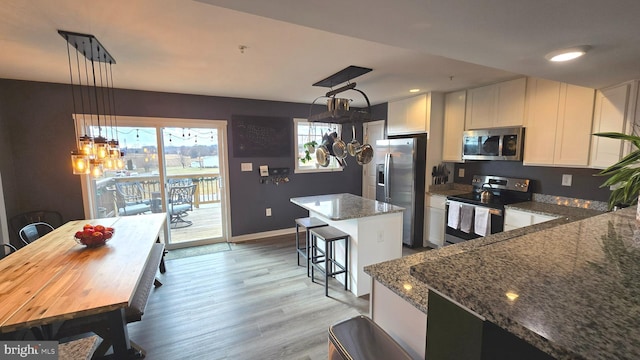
(301, 168)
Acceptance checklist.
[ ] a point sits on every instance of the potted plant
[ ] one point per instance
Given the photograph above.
(624, 175)
(309, 148)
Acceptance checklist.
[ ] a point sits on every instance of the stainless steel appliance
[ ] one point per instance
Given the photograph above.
(400, 167)
(493, 144)
(502, 190)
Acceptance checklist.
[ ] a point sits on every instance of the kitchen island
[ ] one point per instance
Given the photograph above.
(374, 227)
(568, 289)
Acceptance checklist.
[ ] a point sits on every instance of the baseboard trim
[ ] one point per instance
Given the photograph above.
(262, 235)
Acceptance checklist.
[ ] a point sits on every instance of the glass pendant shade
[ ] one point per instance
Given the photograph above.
(85, 144)
(109, 163)
(101, 148)
(114, 149)
(119, 163)
(96, 169)
(80, 163)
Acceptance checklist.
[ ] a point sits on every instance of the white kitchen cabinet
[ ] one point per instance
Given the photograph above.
(514, 219)
(454, 112)
(558, 123)
(400, 319)
(415, 115)
(496, 105)
(434, 224)
(614, 112)
(409, 116)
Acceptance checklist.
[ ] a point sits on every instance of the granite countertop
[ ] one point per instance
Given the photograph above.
(576, 286)
(395, 274)
(449, 189)
(345, 206)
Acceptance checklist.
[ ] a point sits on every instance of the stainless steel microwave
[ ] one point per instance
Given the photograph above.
(493, 144)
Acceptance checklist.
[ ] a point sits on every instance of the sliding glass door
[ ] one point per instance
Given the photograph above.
(172, 166)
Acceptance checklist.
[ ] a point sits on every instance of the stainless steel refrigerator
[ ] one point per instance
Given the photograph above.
(400, 171)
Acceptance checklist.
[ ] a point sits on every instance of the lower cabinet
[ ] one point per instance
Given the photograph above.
(401, 320)
(434, 220)
(456, 333)
(514, 219)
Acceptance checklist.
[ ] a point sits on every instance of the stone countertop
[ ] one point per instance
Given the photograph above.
(449, 189)
(395, 274)
(577, 286)
(554, 210)
(345, 206)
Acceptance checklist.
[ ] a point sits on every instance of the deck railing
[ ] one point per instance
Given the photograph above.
(207, 189)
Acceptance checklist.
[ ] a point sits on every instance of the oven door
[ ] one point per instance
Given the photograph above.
(454, 236)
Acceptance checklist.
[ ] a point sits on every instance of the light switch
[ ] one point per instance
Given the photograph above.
(264, 170)
(566, 179)
(460, 172)
(246, 167)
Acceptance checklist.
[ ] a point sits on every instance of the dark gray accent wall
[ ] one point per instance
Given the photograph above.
(546, 180)
(38, 134)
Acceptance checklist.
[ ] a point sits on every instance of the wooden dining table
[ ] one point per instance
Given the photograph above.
(55, 279)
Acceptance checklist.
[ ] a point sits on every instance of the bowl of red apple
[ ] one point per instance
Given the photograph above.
(93, 235)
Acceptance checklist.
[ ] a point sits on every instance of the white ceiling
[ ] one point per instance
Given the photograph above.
(188, 46)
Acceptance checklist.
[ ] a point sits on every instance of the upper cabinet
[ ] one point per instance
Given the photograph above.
(614, 112)
(496, 105)
(558, 123)
(408, 116)
(454, 113)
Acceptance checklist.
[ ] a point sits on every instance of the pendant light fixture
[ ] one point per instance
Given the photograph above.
(94, 153)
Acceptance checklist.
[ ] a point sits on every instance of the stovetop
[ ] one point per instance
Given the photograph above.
(496, 201)
(505, 191)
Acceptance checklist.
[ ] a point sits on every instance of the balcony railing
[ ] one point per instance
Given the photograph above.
(207, 189)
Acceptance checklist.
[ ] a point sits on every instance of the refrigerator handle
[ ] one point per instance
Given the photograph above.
(387, 179)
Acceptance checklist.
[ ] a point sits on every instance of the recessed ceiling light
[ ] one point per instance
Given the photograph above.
(414, 90)
(567, 54)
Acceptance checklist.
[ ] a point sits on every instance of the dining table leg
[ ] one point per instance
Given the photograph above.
(119, 335)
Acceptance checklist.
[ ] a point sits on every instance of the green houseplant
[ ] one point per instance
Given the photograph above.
(309, 148)
(624, 175)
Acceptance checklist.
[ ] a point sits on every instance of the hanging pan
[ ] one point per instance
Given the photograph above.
(364, 154)
(339, 148)
(354, 145)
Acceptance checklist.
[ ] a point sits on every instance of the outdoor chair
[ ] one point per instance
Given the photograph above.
(180, 202)
(130, 199)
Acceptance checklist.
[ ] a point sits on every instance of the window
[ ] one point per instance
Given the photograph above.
(307, 132)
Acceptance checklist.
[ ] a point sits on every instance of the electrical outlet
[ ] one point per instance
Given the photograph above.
(460, 172)
(268, 211)
(566, 179)
(246, 167)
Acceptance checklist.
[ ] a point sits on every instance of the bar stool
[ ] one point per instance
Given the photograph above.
(308, 223)
(326, 256)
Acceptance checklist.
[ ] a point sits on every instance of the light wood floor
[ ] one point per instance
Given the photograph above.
(252, 302)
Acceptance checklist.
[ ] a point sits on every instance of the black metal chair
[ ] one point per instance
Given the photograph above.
(50, 217)
(6, 250)
(180, 202)
(33, 232)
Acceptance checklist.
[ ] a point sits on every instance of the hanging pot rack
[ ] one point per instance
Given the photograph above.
(341, 116)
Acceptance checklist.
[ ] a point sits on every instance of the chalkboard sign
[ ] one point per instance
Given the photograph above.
(261, 136)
